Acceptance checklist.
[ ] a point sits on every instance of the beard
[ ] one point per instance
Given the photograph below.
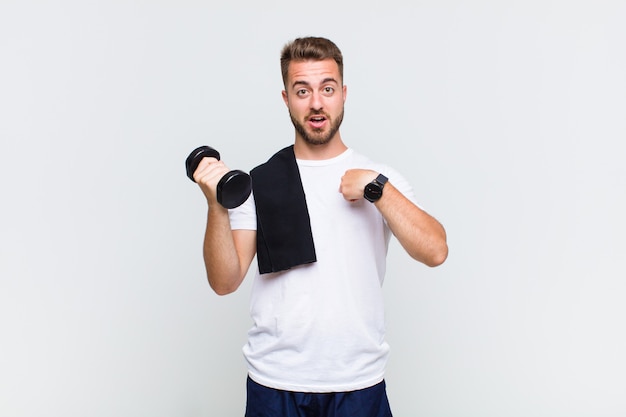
(317, 136)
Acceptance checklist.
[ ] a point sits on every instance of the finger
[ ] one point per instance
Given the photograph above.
(205, 162)
(208, 168)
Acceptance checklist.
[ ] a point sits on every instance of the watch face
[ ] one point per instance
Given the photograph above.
(373, 191)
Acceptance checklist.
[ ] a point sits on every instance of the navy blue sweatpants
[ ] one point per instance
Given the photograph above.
(268, 402)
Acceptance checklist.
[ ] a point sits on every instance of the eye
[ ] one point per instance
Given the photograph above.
(302, 92)
(328, 90)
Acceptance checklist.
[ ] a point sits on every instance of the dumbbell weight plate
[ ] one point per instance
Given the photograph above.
(194, 158)
(233, 189)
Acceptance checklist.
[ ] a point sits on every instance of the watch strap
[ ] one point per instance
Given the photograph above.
(374, 189)
(381, 179)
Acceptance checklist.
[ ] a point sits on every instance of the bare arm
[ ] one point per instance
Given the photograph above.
(227, 253)
(420, 234)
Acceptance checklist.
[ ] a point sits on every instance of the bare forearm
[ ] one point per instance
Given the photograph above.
(421, 235)
(222, 263)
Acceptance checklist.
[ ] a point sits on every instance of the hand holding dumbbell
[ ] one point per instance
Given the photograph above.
(232, 189)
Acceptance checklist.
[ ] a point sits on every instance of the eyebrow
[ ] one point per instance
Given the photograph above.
(306, 83)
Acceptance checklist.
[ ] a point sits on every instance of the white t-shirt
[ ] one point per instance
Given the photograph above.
(320, 327)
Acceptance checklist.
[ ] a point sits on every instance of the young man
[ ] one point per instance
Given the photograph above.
(319, 221)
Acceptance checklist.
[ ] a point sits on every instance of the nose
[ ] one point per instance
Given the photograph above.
(316, 101)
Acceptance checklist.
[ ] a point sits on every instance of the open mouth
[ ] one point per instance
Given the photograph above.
(317, 121)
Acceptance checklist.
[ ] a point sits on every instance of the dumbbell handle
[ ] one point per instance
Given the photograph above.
(232, 189)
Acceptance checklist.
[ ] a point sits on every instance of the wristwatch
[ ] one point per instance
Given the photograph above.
(374, 190)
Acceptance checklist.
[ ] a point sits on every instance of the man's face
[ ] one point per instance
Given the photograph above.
(315, 96)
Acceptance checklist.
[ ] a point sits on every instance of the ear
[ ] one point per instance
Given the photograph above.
(345, 92)
(285, 98)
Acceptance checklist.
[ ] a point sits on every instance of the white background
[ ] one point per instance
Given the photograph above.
(508, 117)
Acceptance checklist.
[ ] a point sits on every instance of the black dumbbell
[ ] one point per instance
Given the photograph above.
(232, 189)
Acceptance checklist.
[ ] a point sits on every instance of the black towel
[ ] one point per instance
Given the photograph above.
(284, 237)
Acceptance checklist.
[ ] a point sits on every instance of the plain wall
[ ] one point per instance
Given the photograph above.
(507, 117)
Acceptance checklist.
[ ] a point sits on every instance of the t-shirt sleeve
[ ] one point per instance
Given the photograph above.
(244, 216)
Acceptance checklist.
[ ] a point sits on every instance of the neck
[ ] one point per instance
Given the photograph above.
(307, 151)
